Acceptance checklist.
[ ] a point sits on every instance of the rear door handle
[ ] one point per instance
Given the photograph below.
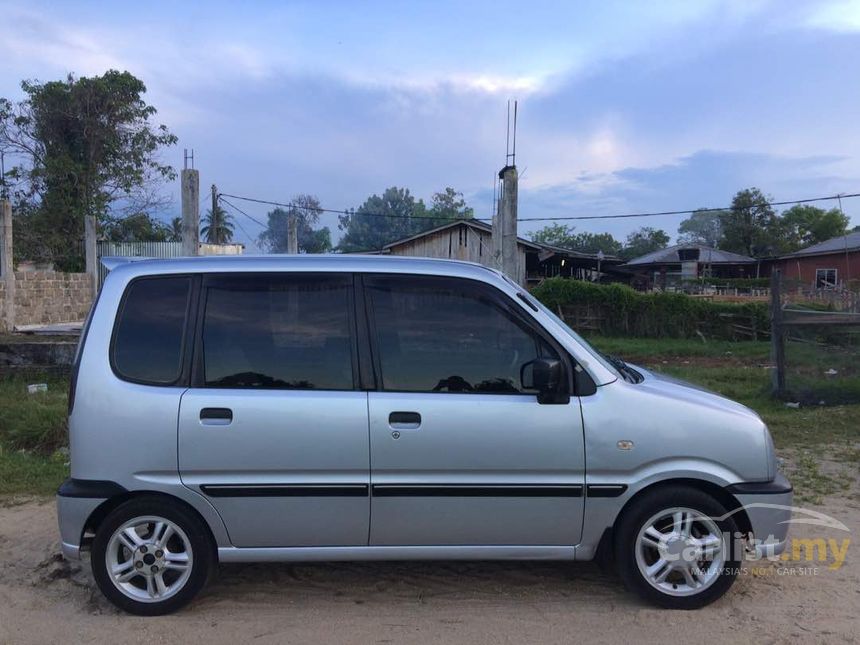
(216, 416)
(404, 420)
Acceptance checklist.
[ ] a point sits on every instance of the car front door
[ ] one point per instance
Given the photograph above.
(274, 430)
(462, 453)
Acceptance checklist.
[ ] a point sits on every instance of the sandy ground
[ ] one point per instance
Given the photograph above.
(44, 599)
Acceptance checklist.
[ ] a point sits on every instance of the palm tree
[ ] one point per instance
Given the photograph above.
(218, 226)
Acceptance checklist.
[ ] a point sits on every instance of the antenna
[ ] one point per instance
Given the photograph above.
(187, 157)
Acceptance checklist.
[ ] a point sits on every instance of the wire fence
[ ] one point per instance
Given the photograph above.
(816, 345)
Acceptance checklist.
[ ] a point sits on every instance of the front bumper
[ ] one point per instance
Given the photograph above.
(768, 506)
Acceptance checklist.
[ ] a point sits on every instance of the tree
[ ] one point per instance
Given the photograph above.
(381, 220)
(85, 146)
(217, 226)
(751, 226)
(702, 227)
(803, 225)
(448, 205)
(306, 208)
(564, 237)
(645, 240)
(175, 234)
(135, 228)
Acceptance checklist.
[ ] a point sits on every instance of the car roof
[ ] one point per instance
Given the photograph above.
(130, 267)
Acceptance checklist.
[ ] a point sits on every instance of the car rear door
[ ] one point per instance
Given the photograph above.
(274, 429)
(462, 453)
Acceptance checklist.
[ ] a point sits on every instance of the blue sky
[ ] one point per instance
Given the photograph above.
(623, 106)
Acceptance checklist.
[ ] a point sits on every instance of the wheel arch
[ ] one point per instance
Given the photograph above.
(104, 509)
(606, 544)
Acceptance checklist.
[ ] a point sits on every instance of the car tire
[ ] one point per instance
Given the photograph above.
(152, 555)
(671, 568)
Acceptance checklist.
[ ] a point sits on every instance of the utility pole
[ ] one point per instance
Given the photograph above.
(507, 222)
(190, 208)
(215, 208)
(7, 267)
(91, 253)
(292, 232)
(505, 251)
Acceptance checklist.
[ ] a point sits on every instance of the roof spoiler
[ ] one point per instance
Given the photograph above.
(113, 261)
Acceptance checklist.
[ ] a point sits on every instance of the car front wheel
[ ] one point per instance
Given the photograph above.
(676, 548)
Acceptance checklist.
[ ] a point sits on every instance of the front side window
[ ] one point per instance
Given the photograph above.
(448, 335)
(147, 345)
(278, 332)
(825, 278)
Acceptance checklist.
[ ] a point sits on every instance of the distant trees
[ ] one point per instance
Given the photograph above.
(752, 227)
(704, 226)
(645, 240)
(640, 242)
(87, 146)
(307, 210)
(396, 214)
(139, 227)
(565, 237)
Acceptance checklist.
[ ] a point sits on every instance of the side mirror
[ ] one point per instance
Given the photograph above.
(546, 377)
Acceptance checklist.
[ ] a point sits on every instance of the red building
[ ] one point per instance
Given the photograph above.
(830, 264)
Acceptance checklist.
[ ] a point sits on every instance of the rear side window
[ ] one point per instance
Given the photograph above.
(148, 340)
(278, 332)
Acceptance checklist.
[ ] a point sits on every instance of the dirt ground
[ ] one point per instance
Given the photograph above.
(44, 599)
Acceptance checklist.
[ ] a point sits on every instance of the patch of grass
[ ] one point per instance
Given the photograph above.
(34, 422)
(28, 474)
(810, 484)
(634, 349)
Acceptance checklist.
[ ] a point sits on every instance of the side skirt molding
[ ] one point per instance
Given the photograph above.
(347, 553)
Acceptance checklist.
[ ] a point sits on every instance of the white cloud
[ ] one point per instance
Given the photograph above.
(841, 16)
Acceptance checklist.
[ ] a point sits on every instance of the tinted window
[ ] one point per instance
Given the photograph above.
(441, 335)
(148, 340)
(290, 332)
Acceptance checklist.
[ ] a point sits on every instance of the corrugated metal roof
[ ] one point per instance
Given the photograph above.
(706, 254)
(468, 222)
(850, 242)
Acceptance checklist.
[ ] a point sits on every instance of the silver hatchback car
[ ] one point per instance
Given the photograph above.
(313, 408)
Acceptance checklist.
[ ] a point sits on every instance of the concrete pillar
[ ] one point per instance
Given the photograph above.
(505, 229)
(292, 233)
(91, 253)
(7, 266)
(190, 211)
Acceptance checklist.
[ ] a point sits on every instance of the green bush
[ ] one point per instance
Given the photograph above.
(626, 312)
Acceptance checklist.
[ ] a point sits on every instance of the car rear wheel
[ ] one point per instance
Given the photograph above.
(151, 556)
(677, 548)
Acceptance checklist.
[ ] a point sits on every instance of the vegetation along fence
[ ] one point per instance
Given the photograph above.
(618, 310)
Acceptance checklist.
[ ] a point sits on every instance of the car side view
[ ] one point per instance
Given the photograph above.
(313, 408)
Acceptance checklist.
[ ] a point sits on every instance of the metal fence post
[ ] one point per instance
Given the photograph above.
(777, 339)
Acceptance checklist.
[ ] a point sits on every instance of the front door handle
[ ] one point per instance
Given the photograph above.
(404, 420)
(216, 416)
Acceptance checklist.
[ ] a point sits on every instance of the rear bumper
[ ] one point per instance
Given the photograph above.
(768, 506)
(76, 501)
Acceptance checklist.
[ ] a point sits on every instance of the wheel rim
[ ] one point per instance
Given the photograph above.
(680, 551)
(149, 559)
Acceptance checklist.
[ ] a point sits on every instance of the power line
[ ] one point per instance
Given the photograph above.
(688, 211)
(347, 212)
(253, 219)
(531, 219)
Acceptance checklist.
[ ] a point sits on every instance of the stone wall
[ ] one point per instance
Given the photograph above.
(49, 297)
